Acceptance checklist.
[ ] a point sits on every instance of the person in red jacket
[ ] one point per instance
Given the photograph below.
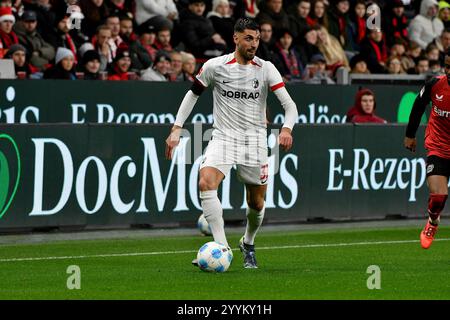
(364, 109)
(7, 35)
(437, 143)
(121, 65)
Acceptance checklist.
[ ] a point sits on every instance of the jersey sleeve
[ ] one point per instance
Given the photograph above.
(273, 77)
(420, 104)
(206, 74)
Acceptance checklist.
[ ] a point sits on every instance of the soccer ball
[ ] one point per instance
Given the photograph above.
(214, 257)
(203, 225)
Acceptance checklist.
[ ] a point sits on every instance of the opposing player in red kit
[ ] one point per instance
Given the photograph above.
(437, 143)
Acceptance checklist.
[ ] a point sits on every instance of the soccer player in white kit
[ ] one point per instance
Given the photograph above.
(240, 83)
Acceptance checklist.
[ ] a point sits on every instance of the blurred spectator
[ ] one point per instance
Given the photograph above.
(410, 57)
(113, 22)
(374, 49)
(245, 8)
(443, 44)
(435, 68)
(444, 13)
(307, 47)
(364, 109)
(223, 22)
(199, 35)
(95, 12)
(176, 67)
(163, 39)
(189, 66)
(358, 65)
(160, 13)
(126, 30)
(432, 52)
(358, 24)
(90, 65)
(40, 52)
(177, 74)
(265, 48)
(318, 14)
(422, 66)
(142, 51)
(45, 17)
(339, 22)
(398, 48)
(426, 27)
(297, 19)
(273, 12)
(103, 47)
(331, 49)
(63, 39)
(394, 66)
(396, 23)
(7, 36)
(18, 54)
(119, 70)
(160, 70)
(286, 58)
(83, 48)
(318, 71)
(120, 7)
(414, 51)
(64, 67)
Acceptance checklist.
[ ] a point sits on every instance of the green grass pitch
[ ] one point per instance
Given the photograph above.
(329, 264)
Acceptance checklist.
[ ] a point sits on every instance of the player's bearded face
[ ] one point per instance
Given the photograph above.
(247, 43)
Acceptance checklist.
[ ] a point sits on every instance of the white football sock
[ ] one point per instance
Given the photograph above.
(212, 209)
(254, 221)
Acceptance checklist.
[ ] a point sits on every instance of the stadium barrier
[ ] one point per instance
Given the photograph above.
(344, 77)
(109, 175)
(53, 101)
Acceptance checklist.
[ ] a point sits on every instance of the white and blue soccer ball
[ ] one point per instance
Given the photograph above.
(203, 225)
(214, 257)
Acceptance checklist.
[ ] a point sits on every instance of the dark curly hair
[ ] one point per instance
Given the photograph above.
(245, 23)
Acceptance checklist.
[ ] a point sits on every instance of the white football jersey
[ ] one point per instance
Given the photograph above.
(239, 97)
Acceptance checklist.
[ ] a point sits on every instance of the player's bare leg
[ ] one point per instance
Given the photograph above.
(436, 202)
(255, 216)
(210, 178)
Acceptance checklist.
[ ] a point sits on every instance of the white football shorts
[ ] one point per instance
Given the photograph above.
(251, 161)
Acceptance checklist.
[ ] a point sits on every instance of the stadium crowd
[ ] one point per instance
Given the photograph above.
(167, 40)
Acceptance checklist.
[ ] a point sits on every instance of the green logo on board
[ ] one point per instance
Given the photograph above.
(405, 107)
(10, 167)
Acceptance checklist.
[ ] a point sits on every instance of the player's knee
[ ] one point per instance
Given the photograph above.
(256, 204)
(436, 203)
(206, 185)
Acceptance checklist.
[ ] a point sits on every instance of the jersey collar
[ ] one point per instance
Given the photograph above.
(233, 60)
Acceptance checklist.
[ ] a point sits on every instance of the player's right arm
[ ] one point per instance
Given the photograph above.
(203, 79)
(420, 104)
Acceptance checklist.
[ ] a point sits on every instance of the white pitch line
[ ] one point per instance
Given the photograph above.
(135, 254)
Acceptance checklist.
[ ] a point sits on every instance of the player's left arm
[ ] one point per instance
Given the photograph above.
(290, 116)
(277, 86)
(418, 109)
